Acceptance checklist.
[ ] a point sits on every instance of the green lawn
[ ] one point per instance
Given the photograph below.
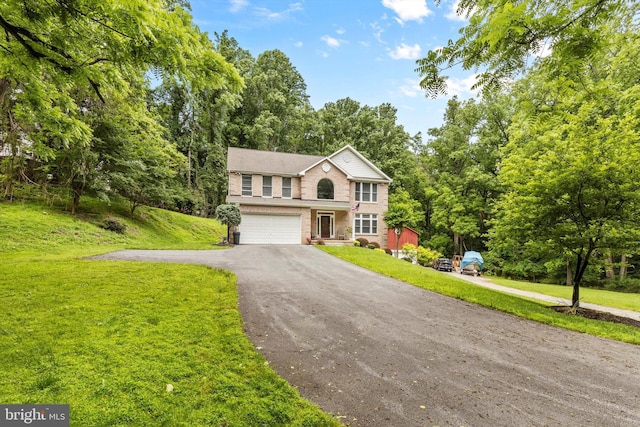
(137, 344)
(622, 300)
(128, 343)
(430, 279)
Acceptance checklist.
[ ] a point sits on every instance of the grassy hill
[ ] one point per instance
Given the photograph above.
(35, 225)
(128, 343)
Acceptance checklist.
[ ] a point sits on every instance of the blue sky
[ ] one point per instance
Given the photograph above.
(362, 49)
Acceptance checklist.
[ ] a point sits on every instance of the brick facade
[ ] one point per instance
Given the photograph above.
(304, 191)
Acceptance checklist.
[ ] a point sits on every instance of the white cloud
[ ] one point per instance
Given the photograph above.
(238, 5)
(453, 15)
(341, 31)
(298, 44)
(278, 16)
(377, 31)
(408, 10)
(331, 42)
(404, 51)
(411, 88)
(461, 86)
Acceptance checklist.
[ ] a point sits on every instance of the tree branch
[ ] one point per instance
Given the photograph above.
(70, 7)
(24, 36)
(96, 88)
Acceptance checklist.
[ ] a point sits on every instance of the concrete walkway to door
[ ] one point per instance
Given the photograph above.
(375, 351)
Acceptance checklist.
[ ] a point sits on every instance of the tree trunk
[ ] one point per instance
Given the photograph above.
(76, 202)
(623, 267)
(608, 262)
(575, 297)
(133, 206)
(569, 273)
(457, 242)
(581, 266)
(77, 188)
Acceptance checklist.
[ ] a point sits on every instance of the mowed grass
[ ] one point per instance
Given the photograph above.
(432, 280)
(37, 227)
(627, 301)
(129, 343)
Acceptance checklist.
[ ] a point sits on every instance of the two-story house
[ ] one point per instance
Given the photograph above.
(289, 198)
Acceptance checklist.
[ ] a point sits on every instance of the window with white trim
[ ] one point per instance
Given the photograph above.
(366, 224)
(286, 187)
(267, 188)
(247, 185)
(366, 192)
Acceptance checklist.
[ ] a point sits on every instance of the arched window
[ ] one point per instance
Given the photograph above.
(325, 189)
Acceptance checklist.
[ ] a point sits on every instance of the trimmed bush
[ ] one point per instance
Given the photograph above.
(115, 226)
(375, 244)
(409, 252)
(363, 242)
(426, 256)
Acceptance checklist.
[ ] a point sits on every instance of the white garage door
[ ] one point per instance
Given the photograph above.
(270, 229)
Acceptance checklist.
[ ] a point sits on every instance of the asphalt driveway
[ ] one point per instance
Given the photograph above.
(378, 352)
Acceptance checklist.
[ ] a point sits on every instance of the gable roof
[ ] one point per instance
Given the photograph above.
(347, 159)
(356, 165)
(268, 162)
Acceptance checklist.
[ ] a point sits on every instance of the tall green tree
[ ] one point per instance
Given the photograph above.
(572, 184)
(373, 131)
(275, 105)
(403, 212)
(144, 169)
(461, 159)
(61, 59)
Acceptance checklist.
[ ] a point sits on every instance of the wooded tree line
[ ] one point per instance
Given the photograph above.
(131, 99)
(559, 199)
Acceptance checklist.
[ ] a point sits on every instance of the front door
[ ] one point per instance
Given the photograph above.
(326, 225)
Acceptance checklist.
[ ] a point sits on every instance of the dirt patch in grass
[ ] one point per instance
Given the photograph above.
(595, 314)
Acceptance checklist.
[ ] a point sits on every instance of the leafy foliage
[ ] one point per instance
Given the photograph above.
(461, 158)
(403, 211)
(569, 166)
(426, 256)
(502, 36)
(229, 215)
(71, 72)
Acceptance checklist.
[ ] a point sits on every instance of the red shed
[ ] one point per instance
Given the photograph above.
(408, 235)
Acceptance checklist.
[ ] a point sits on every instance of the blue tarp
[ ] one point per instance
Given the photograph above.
(471, 256)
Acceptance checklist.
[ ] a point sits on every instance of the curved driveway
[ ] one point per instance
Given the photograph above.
(378, 352)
